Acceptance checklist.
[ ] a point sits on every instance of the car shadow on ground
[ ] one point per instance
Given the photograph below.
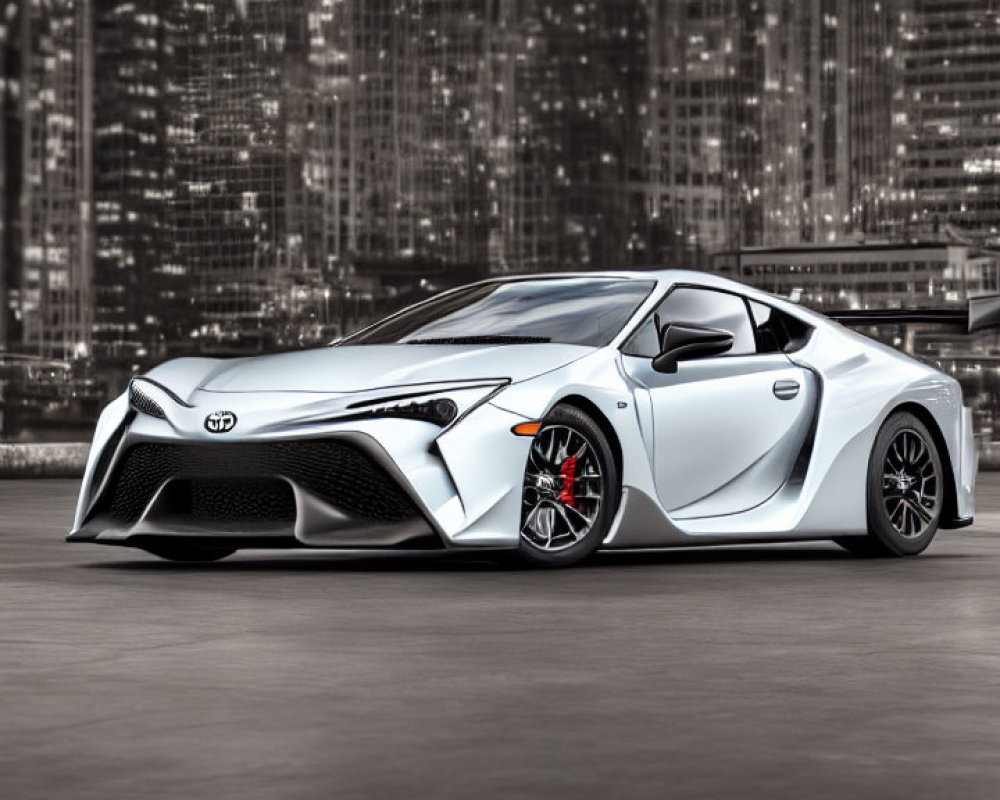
(332, 561)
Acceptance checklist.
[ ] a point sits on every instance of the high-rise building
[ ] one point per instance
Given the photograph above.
(452, 173)
(577, 195)
(945, 118)
(138, 296)
(10, 174)
(409, 96)
(703, 118)
(48, 243)
(871, 45)
(321, 124)
(228, 148)
(825, 101)
(396, 161)
(770, 119)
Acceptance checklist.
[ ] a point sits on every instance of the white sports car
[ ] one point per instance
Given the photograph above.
(548, 415)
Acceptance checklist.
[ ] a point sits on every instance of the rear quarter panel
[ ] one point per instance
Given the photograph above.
(862, 383)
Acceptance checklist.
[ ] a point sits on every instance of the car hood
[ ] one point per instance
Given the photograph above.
(356, 368)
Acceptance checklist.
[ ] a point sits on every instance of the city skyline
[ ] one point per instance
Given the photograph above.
(228, 176)
(189, 170)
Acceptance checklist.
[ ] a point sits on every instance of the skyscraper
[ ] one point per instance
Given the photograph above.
(770, 119)
(825, 105)
(577, 198)
(945, 118)
(701, 97)
(321, 124)
(10, 174)
(452, 170)
(228, 148)
(50, 245)
(138, 295)
(396, 145)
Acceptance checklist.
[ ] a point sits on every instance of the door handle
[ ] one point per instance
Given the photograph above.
(785, 390)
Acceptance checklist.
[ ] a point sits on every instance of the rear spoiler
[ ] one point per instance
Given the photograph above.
(981, 314)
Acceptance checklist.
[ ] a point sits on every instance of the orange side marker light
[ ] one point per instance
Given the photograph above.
(526, 429)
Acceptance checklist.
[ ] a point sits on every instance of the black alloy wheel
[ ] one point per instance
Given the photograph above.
(571, 488)
(905, 490)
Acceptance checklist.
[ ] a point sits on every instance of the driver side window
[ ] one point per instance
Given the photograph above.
(695, 306)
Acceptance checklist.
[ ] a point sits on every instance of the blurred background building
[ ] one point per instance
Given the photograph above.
(227, 176)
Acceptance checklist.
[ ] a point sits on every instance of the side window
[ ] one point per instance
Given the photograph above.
(696, 307)
(775, 331)
(767, 330)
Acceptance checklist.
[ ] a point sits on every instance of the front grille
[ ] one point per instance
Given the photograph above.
(237, 500)
(338, 472)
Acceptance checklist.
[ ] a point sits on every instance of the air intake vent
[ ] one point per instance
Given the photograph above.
(229, 502)
(338, 472)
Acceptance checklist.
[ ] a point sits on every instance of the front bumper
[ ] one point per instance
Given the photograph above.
(353, 484)
(315, 492)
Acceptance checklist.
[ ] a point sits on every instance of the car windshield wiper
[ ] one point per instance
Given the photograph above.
(494, 339)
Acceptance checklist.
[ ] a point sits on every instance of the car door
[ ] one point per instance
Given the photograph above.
(723, 432)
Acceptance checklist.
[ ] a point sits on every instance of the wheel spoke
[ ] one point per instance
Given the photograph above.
(536, 459)
(919, 511)
(898, 451)
(561, 452)
(541, 523)
(584, 520)
(576, 533)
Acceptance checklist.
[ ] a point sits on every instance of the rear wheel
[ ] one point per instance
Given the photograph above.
(905, 491)
(188, 554)
(571, 488)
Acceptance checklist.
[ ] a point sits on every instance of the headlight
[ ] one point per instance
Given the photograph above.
(442, 404)
(440, 411)
(143, 403)
(149, 402)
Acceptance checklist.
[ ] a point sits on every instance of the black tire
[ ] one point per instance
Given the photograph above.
(905, 493)
(559, 418)
(189, 554)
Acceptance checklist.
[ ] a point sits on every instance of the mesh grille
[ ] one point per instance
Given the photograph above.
(240, 500)
(338, 472)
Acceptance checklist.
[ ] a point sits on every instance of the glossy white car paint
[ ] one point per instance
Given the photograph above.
(709, 454)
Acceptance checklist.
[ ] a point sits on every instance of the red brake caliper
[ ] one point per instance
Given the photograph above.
(568, 493)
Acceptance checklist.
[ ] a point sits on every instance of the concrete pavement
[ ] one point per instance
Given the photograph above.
(774, 672)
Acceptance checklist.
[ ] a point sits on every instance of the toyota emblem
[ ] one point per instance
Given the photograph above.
(220, 422)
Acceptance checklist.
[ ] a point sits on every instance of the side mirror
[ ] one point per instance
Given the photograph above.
(682, 342)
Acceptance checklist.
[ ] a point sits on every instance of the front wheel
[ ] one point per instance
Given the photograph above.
(571, 488)
(905, 491)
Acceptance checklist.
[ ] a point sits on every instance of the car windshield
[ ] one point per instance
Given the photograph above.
(584, 311)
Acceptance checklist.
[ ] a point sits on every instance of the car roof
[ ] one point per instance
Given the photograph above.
(670, 277)
(660, 275)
